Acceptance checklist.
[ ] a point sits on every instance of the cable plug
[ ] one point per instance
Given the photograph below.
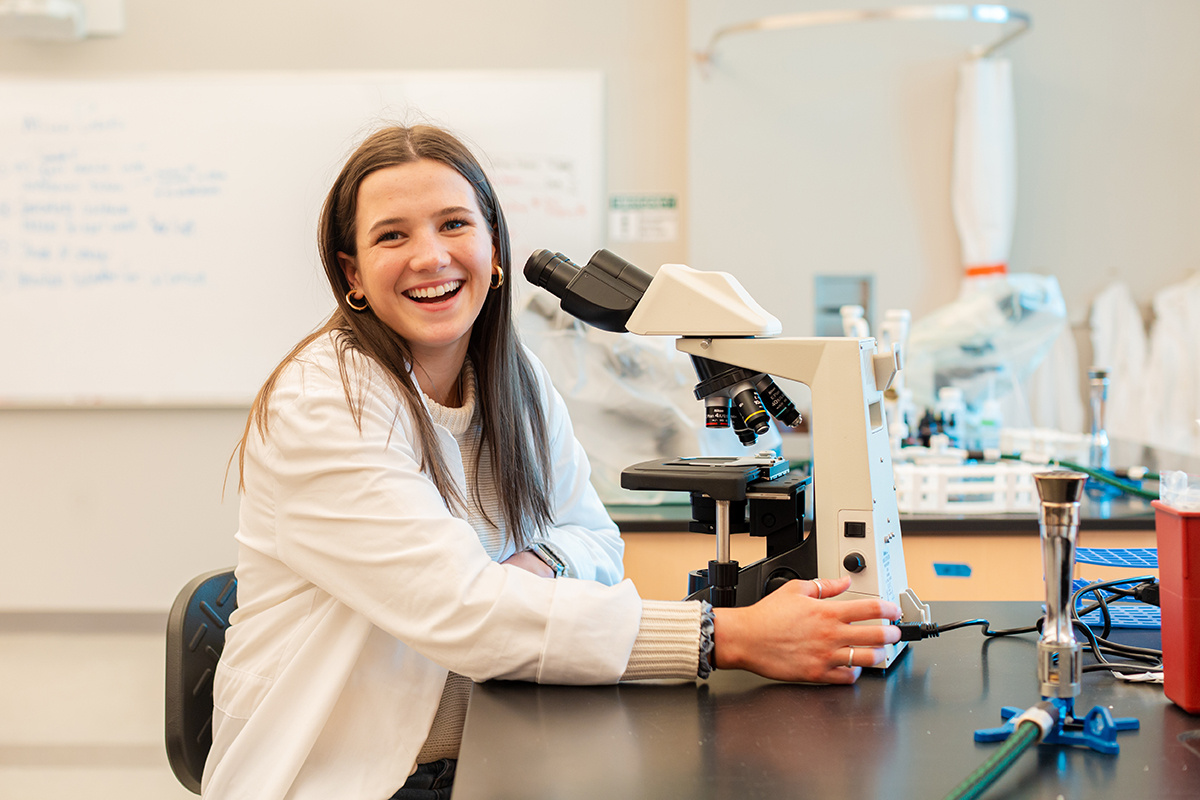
(916, 631)
(1147, 592)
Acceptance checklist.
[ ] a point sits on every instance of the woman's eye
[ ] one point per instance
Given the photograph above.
(455, 224)
(390, 236)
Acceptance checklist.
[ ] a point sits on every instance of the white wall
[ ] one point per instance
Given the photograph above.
(828, 150)
(114, 509)
(121, 506)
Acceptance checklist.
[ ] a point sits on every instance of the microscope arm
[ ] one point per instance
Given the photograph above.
(856, 520)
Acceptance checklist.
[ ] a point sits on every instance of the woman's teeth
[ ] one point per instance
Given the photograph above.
(434, 292)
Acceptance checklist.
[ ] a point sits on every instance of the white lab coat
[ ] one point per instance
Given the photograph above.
(1171, 380)
(1119, 344)
(359, 589)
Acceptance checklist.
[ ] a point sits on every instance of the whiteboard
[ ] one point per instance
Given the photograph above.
(158, 235)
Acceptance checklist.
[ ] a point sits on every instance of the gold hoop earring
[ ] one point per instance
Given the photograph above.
(497, 277)
(350, 298)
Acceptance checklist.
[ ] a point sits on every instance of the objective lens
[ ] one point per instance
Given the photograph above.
(716, 412)
(746, 436)
(751, 408)
(550, 271)
(777, 402)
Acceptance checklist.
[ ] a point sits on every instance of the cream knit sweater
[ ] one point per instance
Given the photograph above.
(668, 641)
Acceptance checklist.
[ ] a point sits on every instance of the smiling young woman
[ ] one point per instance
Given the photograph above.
(374, 174)
(416, 514)
(423, 259)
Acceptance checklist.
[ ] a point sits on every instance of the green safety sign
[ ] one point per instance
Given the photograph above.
(642, 202)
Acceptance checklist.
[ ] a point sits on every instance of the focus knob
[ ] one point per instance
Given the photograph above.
(854, 562)
(777, 579)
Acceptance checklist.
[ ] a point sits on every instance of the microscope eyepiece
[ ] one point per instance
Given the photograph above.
(602, 293)
(550, 271)
(625, 273)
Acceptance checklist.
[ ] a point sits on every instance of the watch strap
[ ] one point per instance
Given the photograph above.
(547, 554)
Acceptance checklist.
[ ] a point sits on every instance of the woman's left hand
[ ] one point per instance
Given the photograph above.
(529, 562)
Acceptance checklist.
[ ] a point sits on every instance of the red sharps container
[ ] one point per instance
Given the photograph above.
(1179, 591)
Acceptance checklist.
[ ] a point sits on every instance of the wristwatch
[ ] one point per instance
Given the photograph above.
(542, 551)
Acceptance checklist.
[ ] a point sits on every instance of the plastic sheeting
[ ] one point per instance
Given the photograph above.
(630, 398)
(985, 165)
(1054, 399)
(988, 343)
(984, 200)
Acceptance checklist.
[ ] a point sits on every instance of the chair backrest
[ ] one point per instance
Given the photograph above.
(195, 639)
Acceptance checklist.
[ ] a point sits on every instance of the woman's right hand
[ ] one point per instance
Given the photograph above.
(793, 634)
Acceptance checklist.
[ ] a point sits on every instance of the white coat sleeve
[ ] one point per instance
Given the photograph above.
(357, 518)
(582, 533)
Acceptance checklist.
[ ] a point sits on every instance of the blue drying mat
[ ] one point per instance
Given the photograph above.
(1132, 557)
(1125, 612)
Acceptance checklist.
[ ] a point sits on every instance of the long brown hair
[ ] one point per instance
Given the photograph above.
(514, 426)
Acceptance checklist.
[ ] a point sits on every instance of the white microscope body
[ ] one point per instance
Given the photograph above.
(856, 522)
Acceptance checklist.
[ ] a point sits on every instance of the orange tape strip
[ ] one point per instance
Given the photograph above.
(986, 269)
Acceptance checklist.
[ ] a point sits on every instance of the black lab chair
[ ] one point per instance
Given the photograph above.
(195, 638)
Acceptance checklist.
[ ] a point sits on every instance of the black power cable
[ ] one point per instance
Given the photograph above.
(1143, 659)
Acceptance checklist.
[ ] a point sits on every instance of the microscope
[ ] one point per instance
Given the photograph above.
(736, 349)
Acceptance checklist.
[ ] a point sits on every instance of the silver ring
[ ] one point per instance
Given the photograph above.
(850, 660)
(818, 583)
